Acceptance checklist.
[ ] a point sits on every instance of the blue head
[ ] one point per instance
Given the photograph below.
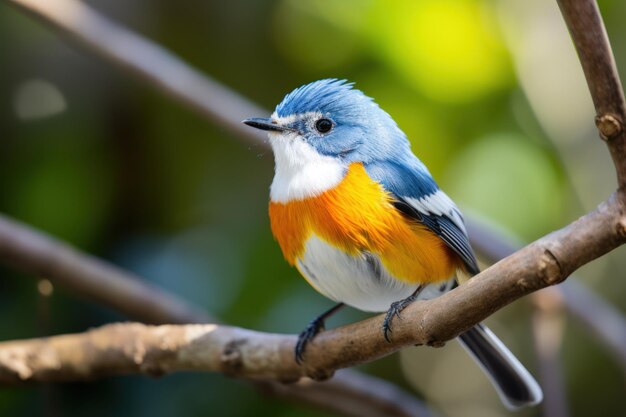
(337, 121)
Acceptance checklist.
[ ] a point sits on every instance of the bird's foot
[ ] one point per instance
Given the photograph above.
(311, 330)
(395, 309)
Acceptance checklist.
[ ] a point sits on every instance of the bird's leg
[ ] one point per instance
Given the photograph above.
(396, 308)
(312, 329)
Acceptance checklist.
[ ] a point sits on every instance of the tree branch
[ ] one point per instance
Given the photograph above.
(246, 353)
(133, 348)
(586, 28)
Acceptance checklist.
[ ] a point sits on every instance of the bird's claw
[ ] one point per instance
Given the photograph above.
(387, 329)
(311, 330)
(394, 310)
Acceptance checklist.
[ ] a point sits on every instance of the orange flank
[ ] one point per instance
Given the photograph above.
(358, 215)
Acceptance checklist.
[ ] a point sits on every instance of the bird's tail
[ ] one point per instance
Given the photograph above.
(515, 385)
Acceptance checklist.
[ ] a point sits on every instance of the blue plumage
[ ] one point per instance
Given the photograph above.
(362, 132)
(409, 181)
(403, 178)
(325, 96)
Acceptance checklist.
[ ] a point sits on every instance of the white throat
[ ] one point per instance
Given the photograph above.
(301, 172)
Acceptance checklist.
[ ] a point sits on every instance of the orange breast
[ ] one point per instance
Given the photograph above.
(357, 215)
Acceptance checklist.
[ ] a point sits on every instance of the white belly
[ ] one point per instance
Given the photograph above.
(360, 281)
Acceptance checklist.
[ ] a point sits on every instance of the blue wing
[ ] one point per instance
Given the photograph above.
(418, 196)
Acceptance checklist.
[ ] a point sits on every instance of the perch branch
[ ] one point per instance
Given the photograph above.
(246, 353)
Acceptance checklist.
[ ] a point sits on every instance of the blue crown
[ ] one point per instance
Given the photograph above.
(325, 96)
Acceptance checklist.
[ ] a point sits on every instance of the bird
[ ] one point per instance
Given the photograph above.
(365, 223)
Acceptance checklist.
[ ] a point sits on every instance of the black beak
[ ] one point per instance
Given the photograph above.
(265, 124)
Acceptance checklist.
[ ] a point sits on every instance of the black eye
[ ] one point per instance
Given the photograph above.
(323, 125)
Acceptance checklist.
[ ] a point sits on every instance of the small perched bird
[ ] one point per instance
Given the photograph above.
(361, 218)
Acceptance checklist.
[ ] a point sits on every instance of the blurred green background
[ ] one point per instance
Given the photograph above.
(489, 92)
